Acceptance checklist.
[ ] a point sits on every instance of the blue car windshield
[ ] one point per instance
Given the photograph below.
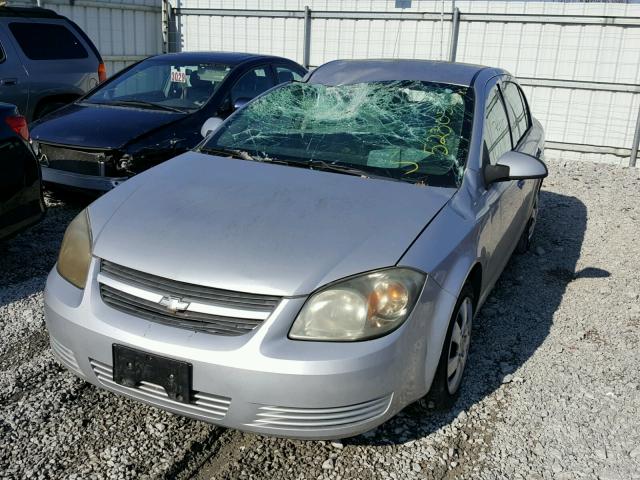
(404, 130)
(164, 85)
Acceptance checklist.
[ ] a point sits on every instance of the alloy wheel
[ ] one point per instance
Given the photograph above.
(459, 345)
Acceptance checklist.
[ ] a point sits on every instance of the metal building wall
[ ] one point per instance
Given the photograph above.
(331, 38)
(589, 114)
(123, 31)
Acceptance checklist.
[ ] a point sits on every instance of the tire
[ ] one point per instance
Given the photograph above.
(524, 243)
(446, 383)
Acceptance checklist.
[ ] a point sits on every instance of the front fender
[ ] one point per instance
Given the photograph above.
(437, 326)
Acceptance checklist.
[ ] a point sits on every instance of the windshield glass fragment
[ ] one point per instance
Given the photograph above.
(406, 130)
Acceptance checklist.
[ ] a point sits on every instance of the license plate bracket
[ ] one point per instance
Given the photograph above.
(131, 367)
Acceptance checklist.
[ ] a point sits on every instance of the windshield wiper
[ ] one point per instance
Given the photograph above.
(336, 167)
(144, 104)
(242, 155)
(310, 164)
(347, 170)
(227, 152)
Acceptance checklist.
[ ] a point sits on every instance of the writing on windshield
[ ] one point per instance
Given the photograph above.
(407, 130)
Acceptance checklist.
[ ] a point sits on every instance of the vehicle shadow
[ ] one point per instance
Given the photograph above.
(27, 258)
(514, 321)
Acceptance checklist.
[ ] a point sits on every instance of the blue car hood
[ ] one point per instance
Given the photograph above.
(258, 227)
(99, 126)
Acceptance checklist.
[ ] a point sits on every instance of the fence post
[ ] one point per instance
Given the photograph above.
(306, 48)
(166, 13)
(636, 140)
(455, 30)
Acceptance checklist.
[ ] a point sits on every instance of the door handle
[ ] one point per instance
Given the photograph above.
(9, 81)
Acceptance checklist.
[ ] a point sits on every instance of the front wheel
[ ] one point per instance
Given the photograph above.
(455, 351)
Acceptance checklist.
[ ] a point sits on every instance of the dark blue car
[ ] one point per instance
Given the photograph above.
(148, 113)
(21, 202)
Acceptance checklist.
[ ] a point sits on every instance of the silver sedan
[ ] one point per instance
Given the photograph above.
(315, 264)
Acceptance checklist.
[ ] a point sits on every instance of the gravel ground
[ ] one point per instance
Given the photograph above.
(552, 388)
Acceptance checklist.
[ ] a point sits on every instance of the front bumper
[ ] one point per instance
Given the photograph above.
(80, 180)
(261, 381)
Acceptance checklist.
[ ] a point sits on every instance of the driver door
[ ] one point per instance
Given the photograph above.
(500, 198)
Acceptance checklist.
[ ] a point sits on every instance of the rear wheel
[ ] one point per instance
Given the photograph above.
(524, 244)
(455, 351)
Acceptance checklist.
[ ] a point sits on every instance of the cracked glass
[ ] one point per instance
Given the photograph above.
(403, 130)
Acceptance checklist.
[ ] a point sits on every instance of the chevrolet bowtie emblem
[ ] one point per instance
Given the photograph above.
(174, 304)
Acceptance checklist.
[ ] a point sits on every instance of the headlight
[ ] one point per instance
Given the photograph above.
(75, 252)
(359, 308)
(36, 147)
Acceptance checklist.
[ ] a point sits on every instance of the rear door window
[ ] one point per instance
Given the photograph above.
(517, 109)
(47, 41)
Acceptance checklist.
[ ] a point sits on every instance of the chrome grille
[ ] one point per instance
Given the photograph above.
(211, 310)
(294, 418)
(212, 407)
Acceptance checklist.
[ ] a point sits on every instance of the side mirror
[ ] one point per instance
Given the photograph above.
(515, 166)
(210, 125)
(240, 102)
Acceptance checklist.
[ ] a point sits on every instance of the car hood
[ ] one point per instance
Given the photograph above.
(100, 126)
(257, 227)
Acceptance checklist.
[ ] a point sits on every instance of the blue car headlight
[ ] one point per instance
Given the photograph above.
(361, 307)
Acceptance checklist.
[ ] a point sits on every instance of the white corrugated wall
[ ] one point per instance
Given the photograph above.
(591, 53)
(123, 31)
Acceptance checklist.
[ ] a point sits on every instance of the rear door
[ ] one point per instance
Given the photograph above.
(14, 87)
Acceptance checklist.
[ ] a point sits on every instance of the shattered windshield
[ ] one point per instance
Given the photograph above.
(404, 130)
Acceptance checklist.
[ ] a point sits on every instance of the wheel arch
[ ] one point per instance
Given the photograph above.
(55, 98)
(467, 269)
(461, 274)
(474, 278)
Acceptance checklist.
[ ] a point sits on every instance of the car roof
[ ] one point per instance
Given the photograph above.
(230, 58)
(28, 12)
(343, 72)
